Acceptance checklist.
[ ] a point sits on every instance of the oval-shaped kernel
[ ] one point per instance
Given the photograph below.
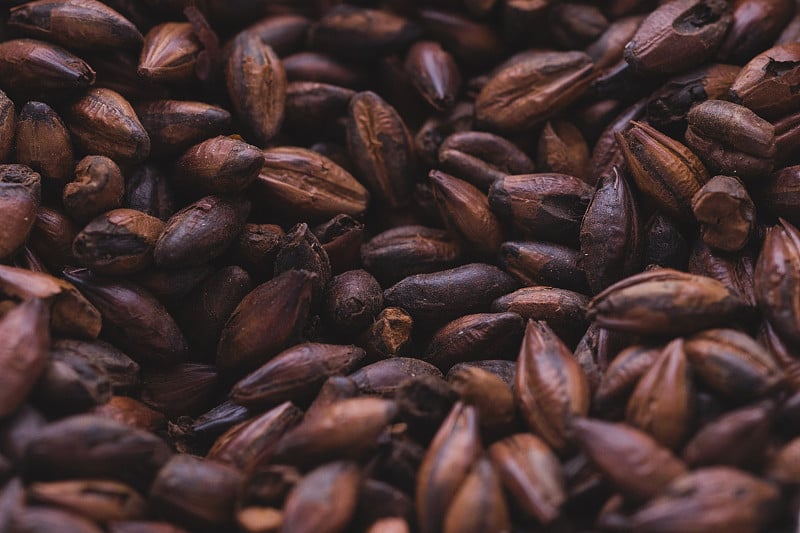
(711, 499)
(358, 32)
(103, 122)
(304, 183)
(480, 157)
(664, 169)
(530, 471)
(252, 442)
(29, 66)
(201, 492)
(384, 377)
(563, 310)
(99, 500)
(447, 463)
(407, 250)
(170, 53)
(324, 500)
(434, 74)
(381, 148)
(132, 318)
(465, 210)
(766, 84)
(256, 82)
(316, 110)
(731, 139)
(43, 142)
(623, 373)
(542, 206)
(175, 125)
(222, 165)
(665, 301)
(562, 148)
(633, 462)
(266, 321)
(437, 297)
(284, 33)
(346, 428)
(529, 92)
(756, 25)
(118, 242)
(479, 503)
(777, 284)
(471, 337)
(185, 389)
(611, 233)
(40, 518)
(544, 263)
(76, 24)
(122, 371)
(295, 374)
(551, 388)
(735, 438)
(89, 446)
(19, 199)
(733, 364)
(679, 35)
(662, 402)
(24, 341)
(201, 231)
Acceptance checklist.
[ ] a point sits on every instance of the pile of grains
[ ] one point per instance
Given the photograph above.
(460, 266)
